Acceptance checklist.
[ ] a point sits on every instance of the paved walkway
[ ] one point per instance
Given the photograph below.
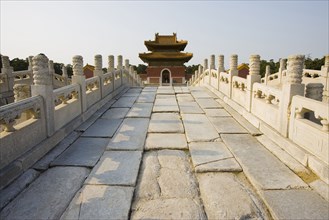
(162, 153)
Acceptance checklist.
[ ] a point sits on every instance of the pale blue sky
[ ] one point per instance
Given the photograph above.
(62, 29)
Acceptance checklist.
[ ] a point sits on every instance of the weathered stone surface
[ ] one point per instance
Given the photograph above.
(200, 94)
(190, 108)
(185, 98)
(100, 202)
(83, 152)
(146, 97)
(150, 89)
(131, 135)
(225, 197)
(166, 123)
(148, 187)
(165, 90)
(124, 102)
(9, 193)
(291, 162)
(212, 157)
(162, 96)
(171, 208)
(165, 105)
(85, 125)
(115, 113)
(296, 204)
(208, 103)
(103, 128)
(321, 187)
(43, 164)
(216, 112)
(140, 110)
(198, 128)
(227, 125)
(116, 168)
(48, 196)
(165, 141)
(263, 169)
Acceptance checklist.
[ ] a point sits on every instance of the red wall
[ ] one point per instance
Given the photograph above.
(176, 71)
(88, 73)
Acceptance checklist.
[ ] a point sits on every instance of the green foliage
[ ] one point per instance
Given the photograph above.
(19, 64)
(58, 68)
(314, 64)
(191, 69)
(141, 68)
(274, 66)
(69, 70)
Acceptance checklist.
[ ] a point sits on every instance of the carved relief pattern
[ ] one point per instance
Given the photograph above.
(254, 65)
(21, 91)
(221, 63)
(40, 68)
(98, 62)
(77, 65)
(295, 69)
(110, 63)
(234, 62)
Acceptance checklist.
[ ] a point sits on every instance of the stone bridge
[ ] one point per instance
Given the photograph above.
(189, 152)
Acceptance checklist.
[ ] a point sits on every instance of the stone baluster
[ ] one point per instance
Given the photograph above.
(126, 64)
(79, 78)
(43, 86)
(252, 77)
(98, 65)
(234, 63)
(8, 85)
(30, 62)
(51, 69)
(283, 64)
(119, 66)
(130, 75)
(220, 64)
(291, 87)
(212, 62)
(110, 67)
(325, 74)
(205, 64)
(267, 74)
(21, 91)
(64, 74)
(196, 74)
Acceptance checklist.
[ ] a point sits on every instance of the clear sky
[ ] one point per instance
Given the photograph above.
(62, 29)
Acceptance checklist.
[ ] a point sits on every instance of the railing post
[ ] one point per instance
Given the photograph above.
(233, 71)
(211, 67)
(7, 70)
(200, 74)
(267, 73)
(64, 74)
(120, 68)
(43, 86)
(99, 72)
(125, 71)
(325, 71)
(291, 87)
(283, 64)
(110, 69)
(51, 70)
(79, 78)
(220, 68)
(130, 76)
(254, 76)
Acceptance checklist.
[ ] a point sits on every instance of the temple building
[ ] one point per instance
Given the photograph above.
(165, 60)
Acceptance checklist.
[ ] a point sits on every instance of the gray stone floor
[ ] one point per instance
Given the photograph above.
(163, 153)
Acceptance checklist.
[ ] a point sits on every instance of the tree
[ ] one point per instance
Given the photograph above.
(191, 69)
(141, 68)
(58, 68)
(19, 64)
(315, 64)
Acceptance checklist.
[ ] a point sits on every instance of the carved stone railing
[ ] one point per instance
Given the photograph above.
(23, 77)
(239, 90)
(93, 91)
(17, 136)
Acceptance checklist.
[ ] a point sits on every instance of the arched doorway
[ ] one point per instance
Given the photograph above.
(165, 77)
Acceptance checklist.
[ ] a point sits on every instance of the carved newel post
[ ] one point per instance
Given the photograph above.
(254, 76)
(43, 86)
(220, 64)
(267, 73)
(126, 64)
(234, 65)
(79, 78)
(64, 74)
(325, 71)
(205, 64)
(200, 73)
(212, 62)
(21, 91)
(314, 91)
(119, 66)
(30, 60)
(98, 65)
(7, 70)
(110, 64)
(291, 87)
(283, 64)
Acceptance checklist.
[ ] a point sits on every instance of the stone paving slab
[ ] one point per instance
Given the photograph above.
(103, 128)
(156, 141)
(263, 169)
(83, 152)
(190, 108)
(165, 105)
(48, 196)
(125, 102)
(161, 96)
(85, 125)
(208, 103)
(296, 204)
(100, 202)
(171, 208)
(200, 94)
(225, 197)
(131, 135)
(140, 110)
(184, 98)
(198, 128)
(212, 157)
(146, 97)
(116, 168)
(115, 113)
(44, 163)
(216, 112)
(10, 192)
(150, 89)
(165, 123)
(227, 125)
(166, 90)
